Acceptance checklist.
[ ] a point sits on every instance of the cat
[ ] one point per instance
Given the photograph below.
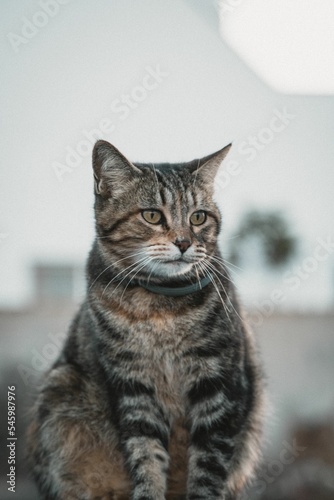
(158, 391)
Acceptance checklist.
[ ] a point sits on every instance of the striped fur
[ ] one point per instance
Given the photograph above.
(152, 397)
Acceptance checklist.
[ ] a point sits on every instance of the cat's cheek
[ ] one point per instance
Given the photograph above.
(208, 240)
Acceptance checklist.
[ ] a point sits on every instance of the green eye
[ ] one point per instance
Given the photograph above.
(198, 218)
(152, 216)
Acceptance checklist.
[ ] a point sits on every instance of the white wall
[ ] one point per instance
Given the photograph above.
(63, 81)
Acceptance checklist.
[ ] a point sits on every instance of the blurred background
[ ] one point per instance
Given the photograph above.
(172, 81)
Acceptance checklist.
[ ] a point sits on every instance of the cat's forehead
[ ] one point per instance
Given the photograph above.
(167, 175)
(170, 185)
(171, 175)
(163, 168)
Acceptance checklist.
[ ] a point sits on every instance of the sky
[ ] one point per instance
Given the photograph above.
(159, 81)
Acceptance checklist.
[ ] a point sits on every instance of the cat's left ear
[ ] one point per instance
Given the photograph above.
(113, 173)
(207, 167)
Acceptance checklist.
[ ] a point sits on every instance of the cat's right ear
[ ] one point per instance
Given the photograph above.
(112, 171)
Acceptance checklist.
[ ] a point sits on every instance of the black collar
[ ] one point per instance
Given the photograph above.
(168, 291)
(178, 291)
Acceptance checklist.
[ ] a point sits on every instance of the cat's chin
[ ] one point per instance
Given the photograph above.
(172, 269)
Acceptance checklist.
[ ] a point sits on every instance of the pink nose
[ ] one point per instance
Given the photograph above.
(183, 245)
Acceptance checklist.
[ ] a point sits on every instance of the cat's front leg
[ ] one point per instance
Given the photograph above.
(144, 432)
(215, 426)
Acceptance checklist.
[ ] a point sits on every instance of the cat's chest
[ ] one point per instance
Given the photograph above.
(153, 330)
(168, 383)
(158, 344)
(159, 337)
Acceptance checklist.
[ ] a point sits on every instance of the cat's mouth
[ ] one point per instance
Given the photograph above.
(174, 261)
(178, 260)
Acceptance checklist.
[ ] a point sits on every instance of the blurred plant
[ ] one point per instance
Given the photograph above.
(272, 232)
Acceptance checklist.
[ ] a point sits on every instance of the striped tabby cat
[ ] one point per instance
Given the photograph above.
(157, 393)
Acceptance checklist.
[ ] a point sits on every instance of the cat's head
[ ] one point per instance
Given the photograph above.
(156, 220)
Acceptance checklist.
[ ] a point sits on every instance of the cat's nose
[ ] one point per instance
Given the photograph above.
(183, 245)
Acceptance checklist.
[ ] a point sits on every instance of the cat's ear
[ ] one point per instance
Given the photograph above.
(112, 171)
(207, 167)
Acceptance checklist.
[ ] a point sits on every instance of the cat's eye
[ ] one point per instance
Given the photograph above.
(198, 218)
(152, 216)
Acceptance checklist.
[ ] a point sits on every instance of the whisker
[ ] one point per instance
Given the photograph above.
(155, 262)
(108, 267)
(121, 272)
(214, 270)
(142, 267)
(204, 264)
(224, 275)
(202, 271)
(223, 264)
(232, 237)
(225, 261)
(132, 270)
